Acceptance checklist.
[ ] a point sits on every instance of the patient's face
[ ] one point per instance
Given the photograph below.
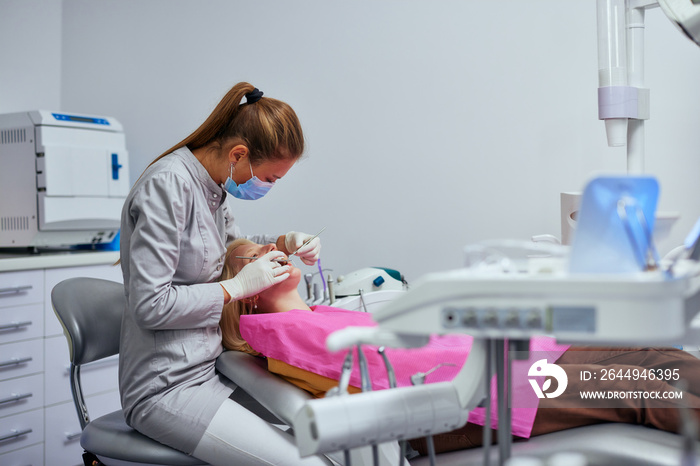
(259, 250)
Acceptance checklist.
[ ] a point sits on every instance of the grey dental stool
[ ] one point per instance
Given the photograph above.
(90, 311)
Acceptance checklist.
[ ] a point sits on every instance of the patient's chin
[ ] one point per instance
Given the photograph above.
(294, 275)
(292, 282)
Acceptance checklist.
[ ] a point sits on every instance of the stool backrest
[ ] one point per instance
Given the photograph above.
(90, 311)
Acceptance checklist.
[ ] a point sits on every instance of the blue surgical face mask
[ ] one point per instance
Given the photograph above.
(251, 190)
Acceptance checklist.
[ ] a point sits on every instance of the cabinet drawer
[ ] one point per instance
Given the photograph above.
(54, 276)
(21, 430)
(62, 441)
(22, 287)
(21, 322)
(62, 438)
(97, 377)
(21, 358)
(30, 456)
(21, 394)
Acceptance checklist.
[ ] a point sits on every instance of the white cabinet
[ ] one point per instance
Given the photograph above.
(38, 422)
(21, 363)
(26, 456)
(21, 430)
(62, 435)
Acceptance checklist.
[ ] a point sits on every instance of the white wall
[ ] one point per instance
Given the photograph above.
(430, 125)
(30, 54)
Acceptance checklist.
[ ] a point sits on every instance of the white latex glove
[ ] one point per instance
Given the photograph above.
(309, 253)
(257, 276)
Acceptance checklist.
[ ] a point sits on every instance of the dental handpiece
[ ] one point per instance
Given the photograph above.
(391, 375)
(331, 289)
(366, 383)
(342, 389)
(364, 371)
(344, 382)
(309, 290)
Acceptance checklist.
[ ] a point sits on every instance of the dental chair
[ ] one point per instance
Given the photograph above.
(275, 395)
(601, 444)
(90, 311)
(596, 445)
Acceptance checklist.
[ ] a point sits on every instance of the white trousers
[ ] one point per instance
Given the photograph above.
(237, 436)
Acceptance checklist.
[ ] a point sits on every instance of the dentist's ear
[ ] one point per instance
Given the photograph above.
(237, 152)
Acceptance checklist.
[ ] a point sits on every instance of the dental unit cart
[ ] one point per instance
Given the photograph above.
(491, 308)
(503, 308)
(63, 179)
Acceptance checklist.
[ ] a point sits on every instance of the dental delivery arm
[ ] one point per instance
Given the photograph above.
(343, 422)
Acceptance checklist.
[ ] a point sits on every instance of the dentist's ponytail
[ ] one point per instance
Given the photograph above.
(268, 127)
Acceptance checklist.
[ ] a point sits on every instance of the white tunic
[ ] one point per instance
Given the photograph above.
(175, 226)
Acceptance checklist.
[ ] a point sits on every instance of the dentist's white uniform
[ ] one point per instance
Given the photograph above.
(175, 228)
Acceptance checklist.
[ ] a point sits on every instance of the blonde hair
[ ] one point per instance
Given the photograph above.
(230, 322)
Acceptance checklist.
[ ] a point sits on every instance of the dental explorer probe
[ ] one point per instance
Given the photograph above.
(288, 260)
(342, 389)
(308, 241)
(280, 261)
(391, 375)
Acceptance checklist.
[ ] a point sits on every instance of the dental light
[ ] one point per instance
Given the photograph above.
(623, 101)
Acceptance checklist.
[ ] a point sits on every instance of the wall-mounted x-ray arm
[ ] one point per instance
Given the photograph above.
(623, 101)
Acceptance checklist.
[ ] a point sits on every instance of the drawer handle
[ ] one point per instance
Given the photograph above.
(15, 361)
(15, 289)
(16, 397)
(14, 433)
(73, 435)
(15, 325)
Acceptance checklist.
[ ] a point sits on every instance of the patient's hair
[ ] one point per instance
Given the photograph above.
(231, 316)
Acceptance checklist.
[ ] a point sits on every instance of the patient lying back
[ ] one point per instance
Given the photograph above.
(294, 342)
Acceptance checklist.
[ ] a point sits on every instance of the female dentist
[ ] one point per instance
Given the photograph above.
(175, 227)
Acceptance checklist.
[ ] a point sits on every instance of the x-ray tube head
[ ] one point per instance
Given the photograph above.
(685, 14)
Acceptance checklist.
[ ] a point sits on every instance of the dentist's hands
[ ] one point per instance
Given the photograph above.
(309, 253)
(256, 276)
